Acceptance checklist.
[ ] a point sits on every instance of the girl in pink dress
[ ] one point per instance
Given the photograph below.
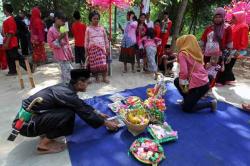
(97, 46)
(150, 43)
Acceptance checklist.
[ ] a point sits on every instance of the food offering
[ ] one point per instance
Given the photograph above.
(155, 108)
(136, 121)
(147, 151)
(162, 132)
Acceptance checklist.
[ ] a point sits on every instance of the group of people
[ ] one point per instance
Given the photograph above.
(147, 41)
(26, 32)
(202, 65)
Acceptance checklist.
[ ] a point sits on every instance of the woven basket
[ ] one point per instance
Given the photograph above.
(135, 129)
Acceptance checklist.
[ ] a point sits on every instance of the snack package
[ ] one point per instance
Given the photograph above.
(116, 97)
(162, 132)
(116, 106)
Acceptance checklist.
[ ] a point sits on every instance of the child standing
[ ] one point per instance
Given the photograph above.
(59, 43)
(150, 43)
(97, 46)
(213, 68)
(78, 30)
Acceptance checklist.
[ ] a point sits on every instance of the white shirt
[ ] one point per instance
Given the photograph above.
(150, 24)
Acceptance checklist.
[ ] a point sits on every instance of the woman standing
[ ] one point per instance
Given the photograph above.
(97, 45)
(129, 42)
(218, 39)
(37, 36)
(193, 79)
(59, 43)
(140, 33)
(240, 33)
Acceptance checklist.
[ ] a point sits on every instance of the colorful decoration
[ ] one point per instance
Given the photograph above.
(155, 107)
(159, 89)
(147, 151)
(162, 133)
(124, 4)
(236, 6)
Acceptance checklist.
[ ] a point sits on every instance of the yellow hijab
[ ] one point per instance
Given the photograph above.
(189, 45)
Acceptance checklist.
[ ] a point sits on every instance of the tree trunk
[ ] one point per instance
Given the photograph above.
(181, 11)
(191, 26)
(115, 20)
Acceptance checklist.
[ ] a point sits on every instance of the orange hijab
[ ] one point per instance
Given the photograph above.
(190, 46)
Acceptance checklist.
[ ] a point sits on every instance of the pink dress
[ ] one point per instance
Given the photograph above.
(96, 43)
(62, 51)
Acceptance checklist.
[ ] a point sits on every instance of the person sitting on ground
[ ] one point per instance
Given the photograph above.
(212, 68)
(193, 81)
(55, 115)
(166, 62)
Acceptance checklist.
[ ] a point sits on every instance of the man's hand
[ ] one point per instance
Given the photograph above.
(104, 116)
(111, 125)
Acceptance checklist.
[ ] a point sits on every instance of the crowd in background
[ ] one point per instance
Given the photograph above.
(145, 45)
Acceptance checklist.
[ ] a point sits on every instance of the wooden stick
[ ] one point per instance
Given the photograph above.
(19, 74)
(32, 83)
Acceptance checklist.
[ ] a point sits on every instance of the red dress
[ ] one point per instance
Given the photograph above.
(3, 59)
(165, 32)
(37, 36)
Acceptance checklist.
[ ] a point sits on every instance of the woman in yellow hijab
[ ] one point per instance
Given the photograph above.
(192, 82)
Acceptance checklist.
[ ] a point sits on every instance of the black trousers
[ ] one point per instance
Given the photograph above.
(54, 123)
(12, 56)
(227, 75)
(191, 99)
(79, 54)
(24, 43)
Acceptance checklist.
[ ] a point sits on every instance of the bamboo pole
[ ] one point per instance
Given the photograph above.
(19, 74)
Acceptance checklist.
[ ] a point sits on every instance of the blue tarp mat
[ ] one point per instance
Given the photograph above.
(205, 138)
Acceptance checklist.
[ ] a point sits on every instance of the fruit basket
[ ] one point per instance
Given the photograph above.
(147, 151)
(136, 121)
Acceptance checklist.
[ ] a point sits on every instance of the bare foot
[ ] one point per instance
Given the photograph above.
(47, 146)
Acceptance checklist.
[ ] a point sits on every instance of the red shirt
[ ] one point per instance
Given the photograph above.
(78, 30)
(240, 38)
(9, 27)
(227, 39)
